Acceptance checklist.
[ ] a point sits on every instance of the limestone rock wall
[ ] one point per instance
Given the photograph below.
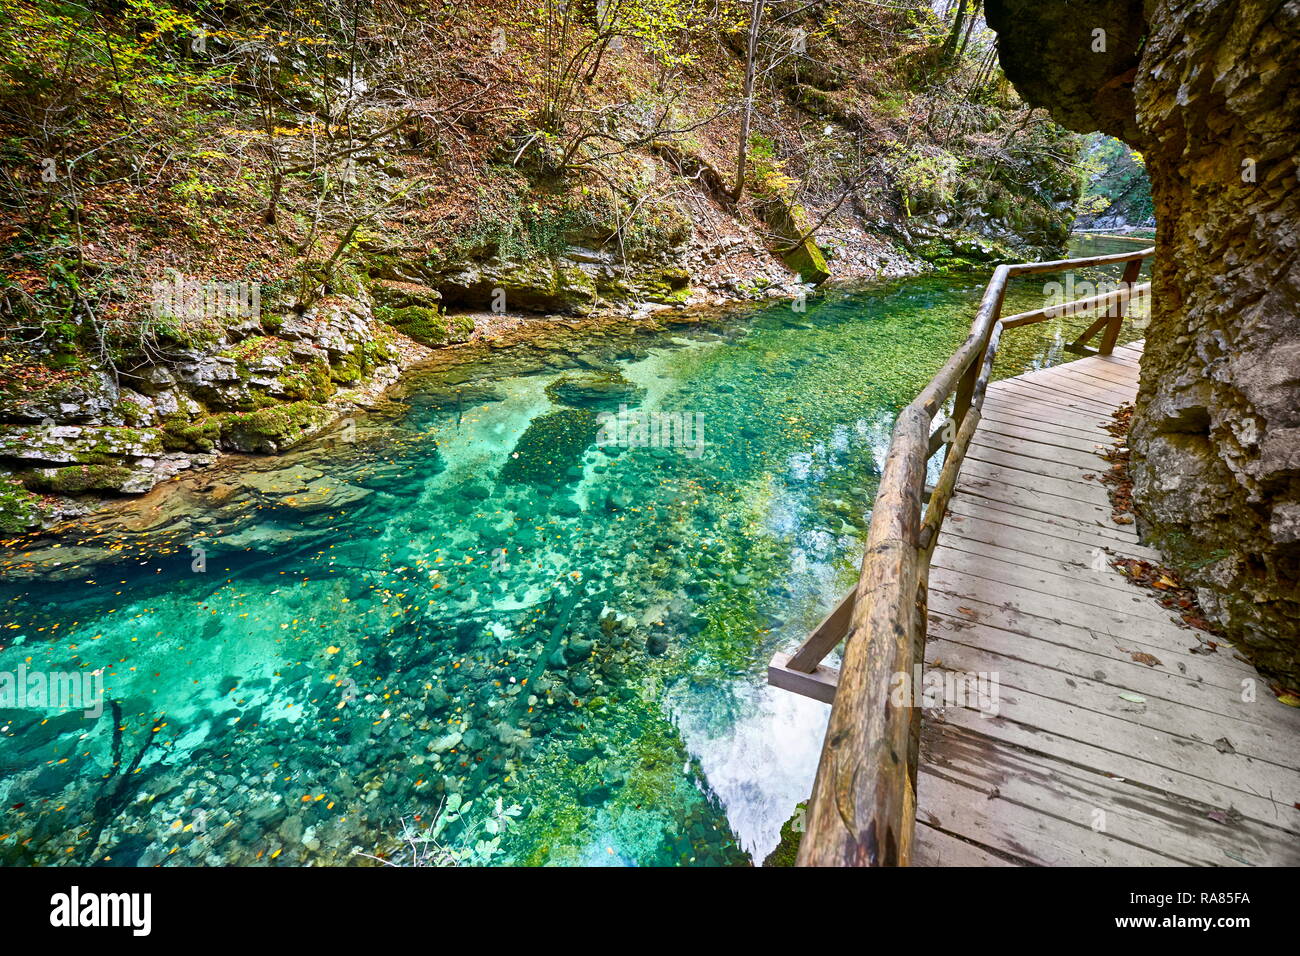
(1209, 91)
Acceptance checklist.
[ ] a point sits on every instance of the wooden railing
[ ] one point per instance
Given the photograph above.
(863, 805)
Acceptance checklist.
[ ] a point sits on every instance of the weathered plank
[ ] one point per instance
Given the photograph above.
(984, 526)
(1272, 809)
(1218, 669)
(1172, 679)
(1036, 464)
(1023, 446)
(1014, 781)
(988, 481)
(1043, 839)
(1172, 717)
(1077, 595)
(1032, 413)
(1049, 396)
(1094, 533)
(936, 848)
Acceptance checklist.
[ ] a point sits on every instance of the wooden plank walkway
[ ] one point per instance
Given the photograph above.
(1115, 741)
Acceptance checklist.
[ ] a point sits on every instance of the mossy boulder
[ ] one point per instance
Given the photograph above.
(792, 229)
(271, 430)
(400, 295)
(807, 260)
(667, 285)
(427, 325)
(460, 328)
(85, 479)
(365, 357)
(308, 380)
(956, 251)
(576, 288)
(269, 369)
(135, 409)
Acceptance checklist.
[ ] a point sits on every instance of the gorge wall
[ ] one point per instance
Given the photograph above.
(1208, 91)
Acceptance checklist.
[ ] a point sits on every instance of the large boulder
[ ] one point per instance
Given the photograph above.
(794, 234)
(271, 430)
(537, 285)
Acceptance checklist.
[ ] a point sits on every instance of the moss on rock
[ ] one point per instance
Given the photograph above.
(791, 834)
(601, 390)
(308, 381)
(82, 479)
(807, 260)
(400, 295)
(179, 434)
(792, 227)
(426, 325)
(273, 429)
(20, 510)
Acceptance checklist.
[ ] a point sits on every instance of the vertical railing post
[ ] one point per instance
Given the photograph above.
(965, 389)
(1131, 272)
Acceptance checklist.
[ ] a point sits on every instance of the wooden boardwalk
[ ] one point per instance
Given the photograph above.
(1115, 740)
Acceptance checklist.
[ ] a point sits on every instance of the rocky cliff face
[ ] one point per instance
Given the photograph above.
(1207, 90)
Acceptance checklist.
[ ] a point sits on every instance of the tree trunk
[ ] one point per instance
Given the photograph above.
(970, 28)
(751, 56)
(949, 51)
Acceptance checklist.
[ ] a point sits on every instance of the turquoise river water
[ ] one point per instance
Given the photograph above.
(469, 618)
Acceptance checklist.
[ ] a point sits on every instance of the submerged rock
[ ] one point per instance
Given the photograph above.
(599, 390)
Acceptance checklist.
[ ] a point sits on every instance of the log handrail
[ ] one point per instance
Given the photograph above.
(863, 806)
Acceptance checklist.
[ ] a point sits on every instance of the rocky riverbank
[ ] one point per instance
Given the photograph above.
(267, 383)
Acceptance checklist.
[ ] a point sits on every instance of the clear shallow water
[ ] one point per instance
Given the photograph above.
(359, 650)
